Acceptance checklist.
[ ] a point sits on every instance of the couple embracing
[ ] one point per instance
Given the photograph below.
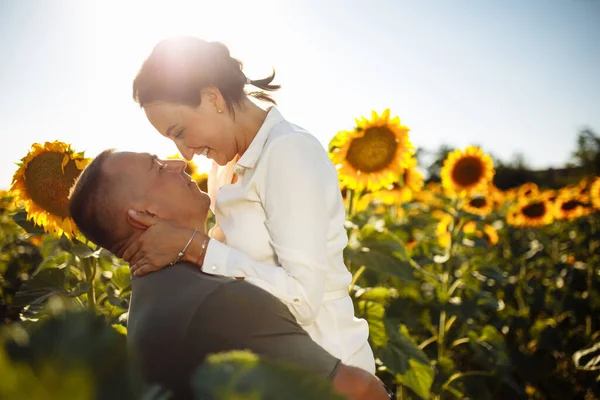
(269, 276)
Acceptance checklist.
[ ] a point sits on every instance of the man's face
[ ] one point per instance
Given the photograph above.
(158, 187)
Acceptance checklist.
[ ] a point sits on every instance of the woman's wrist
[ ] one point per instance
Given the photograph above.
(197, 249)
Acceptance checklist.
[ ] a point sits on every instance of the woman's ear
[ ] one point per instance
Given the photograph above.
(214, 97)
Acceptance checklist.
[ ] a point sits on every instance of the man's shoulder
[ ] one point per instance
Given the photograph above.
(183, 271)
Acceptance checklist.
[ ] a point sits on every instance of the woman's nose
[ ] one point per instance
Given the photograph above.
(186, 152)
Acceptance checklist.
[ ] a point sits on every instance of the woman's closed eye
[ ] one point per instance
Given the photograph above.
(178, 134)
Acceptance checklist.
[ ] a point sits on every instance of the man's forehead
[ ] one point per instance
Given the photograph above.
(123, 161)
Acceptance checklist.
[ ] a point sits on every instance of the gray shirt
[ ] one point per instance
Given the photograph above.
(179, 315)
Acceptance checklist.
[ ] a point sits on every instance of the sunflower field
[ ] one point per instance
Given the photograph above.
(471, 291)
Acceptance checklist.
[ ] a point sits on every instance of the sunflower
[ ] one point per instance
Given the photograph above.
(535, 211)
(571, 206)
(467, 171)
(479, 205)
(488, 233)
(528, 190)
(43, 181)
(374, 154)
(595, 193)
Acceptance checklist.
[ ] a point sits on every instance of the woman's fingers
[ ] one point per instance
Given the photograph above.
(130, 251)
(145, 269)
(136, 258)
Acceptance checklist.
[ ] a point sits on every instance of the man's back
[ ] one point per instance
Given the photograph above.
(179, 315)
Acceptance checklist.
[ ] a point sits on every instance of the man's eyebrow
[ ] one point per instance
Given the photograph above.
(153, 159)
(169, 129)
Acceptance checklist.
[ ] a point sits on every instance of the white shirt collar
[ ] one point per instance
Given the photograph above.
(253, 152)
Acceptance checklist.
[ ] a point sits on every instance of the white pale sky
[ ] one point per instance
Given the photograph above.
(511, 76)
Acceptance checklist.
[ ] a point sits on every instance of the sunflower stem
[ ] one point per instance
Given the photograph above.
(350, 195)
(89, 266)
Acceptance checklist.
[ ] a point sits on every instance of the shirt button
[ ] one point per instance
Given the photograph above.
(214, 267)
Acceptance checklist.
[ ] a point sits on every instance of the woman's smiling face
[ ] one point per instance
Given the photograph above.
(198, 130)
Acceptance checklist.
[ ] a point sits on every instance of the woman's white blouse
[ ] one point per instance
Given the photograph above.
(283, 220)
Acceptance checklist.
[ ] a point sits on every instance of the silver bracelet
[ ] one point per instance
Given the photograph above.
(182, 252)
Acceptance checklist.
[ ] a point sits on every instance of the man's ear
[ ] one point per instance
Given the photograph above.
(141, 209)
(135, 223)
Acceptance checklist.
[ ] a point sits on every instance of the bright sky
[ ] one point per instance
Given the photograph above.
(511, 76)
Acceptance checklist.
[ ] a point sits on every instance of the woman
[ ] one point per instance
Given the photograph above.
(275, 193)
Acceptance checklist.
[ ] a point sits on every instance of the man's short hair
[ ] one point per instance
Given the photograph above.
(90, 203)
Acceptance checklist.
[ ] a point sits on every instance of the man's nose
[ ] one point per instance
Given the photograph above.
(177, 165)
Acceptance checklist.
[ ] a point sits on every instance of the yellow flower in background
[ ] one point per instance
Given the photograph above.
(7, 203)
(398, 193)
(412, 178)
(570, 206)
(528, 190)
(43, 182)
(583, 188)
(488, 233)
(479, 205)
(202, 181)
(595, 193)
(496, 197)
(430, 195)
(384, 197)
(531, 212)
(374, 154)
(511, 194)
(467, 171)
(549, 195)
(443, 227)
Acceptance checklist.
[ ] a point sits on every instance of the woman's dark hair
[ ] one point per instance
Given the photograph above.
(179, 68)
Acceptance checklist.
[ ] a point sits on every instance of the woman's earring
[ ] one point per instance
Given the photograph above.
(219, 111)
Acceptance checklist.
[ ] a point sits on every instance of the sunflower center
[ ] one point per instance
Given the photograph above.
(534, 210)
(373, 152)
(468, 171)
(478, 202)
(46, 184)
(571, 205)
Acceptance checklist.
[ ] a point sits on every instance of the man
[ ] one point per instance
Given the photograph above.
(179, 315)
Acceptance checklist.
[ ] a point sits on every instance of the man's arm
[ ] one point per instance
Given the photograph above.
(241, 316)
(355, 383)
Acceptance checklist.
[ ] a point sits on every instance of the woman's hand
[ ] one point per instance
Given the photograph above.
(157, 246)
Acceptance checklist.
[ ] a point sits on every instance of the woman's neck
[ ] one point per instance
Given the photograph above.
(249, 118)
